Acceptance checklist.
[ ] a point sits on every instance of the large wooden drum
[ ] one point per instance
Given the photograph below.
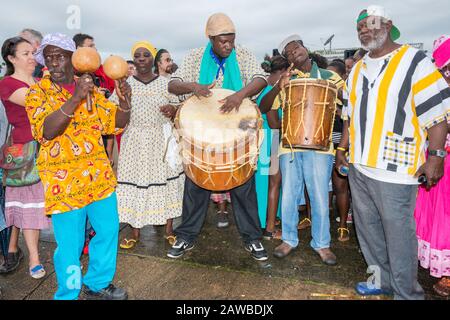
(219, 151)
(309, 106)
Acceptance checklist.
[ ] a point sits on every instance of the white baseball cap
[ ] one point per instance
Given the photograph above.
(379, 11)
(285, 42)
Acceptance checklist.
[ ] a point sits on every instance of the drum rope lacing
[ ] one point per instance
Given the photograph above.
(289, 106)
(207, 166)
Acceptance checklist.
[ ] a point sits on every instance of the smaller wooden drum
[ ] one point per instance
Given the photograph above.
(309, 106)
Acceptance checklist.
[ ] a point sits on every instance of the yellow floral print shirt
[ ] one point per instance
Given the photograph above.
(73, 167)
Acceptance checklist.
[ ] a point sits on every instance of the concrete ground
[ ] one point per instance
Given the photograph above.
(217, 268)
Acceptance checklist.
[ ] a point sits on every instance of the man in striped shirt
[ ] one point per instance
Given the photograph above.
(300, 167)
(394, 99)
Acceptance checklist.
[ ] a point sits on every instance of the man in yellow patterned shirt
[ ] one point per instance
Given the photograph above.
(75, 170)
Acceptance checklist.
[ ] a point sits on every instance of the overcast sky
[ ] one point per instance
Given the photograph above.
(179, 25)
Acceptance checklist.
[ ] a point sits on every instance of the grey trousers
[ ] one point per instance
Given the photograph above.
(386, 230)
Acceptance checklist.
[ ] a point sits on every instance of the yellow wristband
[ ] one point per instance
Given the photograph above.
(342, 149)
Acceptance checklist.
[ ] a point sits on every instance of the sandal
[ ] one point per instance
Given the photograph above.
(442, 288)
(305, 223)
(37, 272)
(344, 234)
(12, 261)
(171, 239)
(128, 244)
(277, 222)
(270, 235)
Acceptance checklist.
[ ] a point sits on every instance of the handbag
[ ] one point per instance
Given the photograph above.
(18, 162)
(172, 153)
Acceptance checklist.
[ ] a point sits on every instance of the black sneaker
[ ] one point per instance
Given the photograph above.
(257, 250)
(109, 293)
(179, 248)
(12, 261)
(222, 219)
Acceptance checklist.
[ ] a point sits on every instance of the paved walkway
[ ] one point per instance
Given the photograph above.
(217, 268)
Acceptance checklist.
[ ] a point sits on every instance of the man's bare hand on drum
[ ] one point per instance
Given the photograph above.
(200, 90)
(285, 77)
(168, 111)
(231, 102)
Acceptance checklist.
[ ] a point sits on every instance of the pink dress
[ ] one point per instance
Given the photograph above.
(432, 215)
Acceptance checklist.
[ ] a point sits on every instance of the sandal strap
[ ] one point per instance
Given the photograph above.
(341, 231)
(129, 240)
(37, 268)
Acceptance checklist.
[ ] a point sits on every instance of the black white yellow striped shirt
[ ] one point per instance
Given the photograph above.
(389, 117)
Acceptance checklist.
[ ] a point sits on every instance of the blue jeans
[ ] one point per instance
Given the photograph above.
(313, 170)
(69, 228)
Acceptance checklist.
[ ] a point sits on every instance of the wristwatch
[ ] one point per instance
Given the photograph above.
(437, 153)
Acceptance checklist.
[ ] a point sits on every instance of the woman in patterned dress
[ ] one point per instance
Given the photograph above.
(149, 191)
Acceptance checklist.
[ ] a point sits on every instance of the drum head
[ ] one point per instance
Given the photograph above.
(200, 119)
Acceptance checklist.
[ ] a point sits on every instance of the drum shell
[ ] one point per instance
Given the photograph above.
(307, 122)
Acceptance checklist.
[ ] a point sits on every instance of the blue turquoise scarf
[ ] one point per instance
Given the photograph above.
(212, 65)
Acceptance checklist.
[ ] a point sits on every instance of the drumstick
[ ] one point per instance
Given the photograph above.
(289, 70)
(89, 99)
(289, 73)
(89, 102)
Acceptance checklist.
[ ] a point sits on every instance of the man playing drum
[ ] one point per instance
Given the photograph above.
(300, 167)
(222, 65)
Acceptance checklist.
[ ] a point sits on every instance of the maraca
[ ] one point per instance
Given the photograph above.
(116, 68)
(86, 60)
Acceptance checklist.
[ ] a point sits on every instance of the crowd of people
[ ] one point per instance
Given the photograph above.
(386, 163)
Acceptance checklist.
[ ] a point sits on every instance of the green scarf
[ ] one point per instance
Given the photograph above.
(208, 70)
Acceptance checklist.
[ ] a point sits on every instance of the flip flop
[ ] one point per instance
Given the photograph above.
(305, 223)
(129, 244)
(37, 272)
(344, 234)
